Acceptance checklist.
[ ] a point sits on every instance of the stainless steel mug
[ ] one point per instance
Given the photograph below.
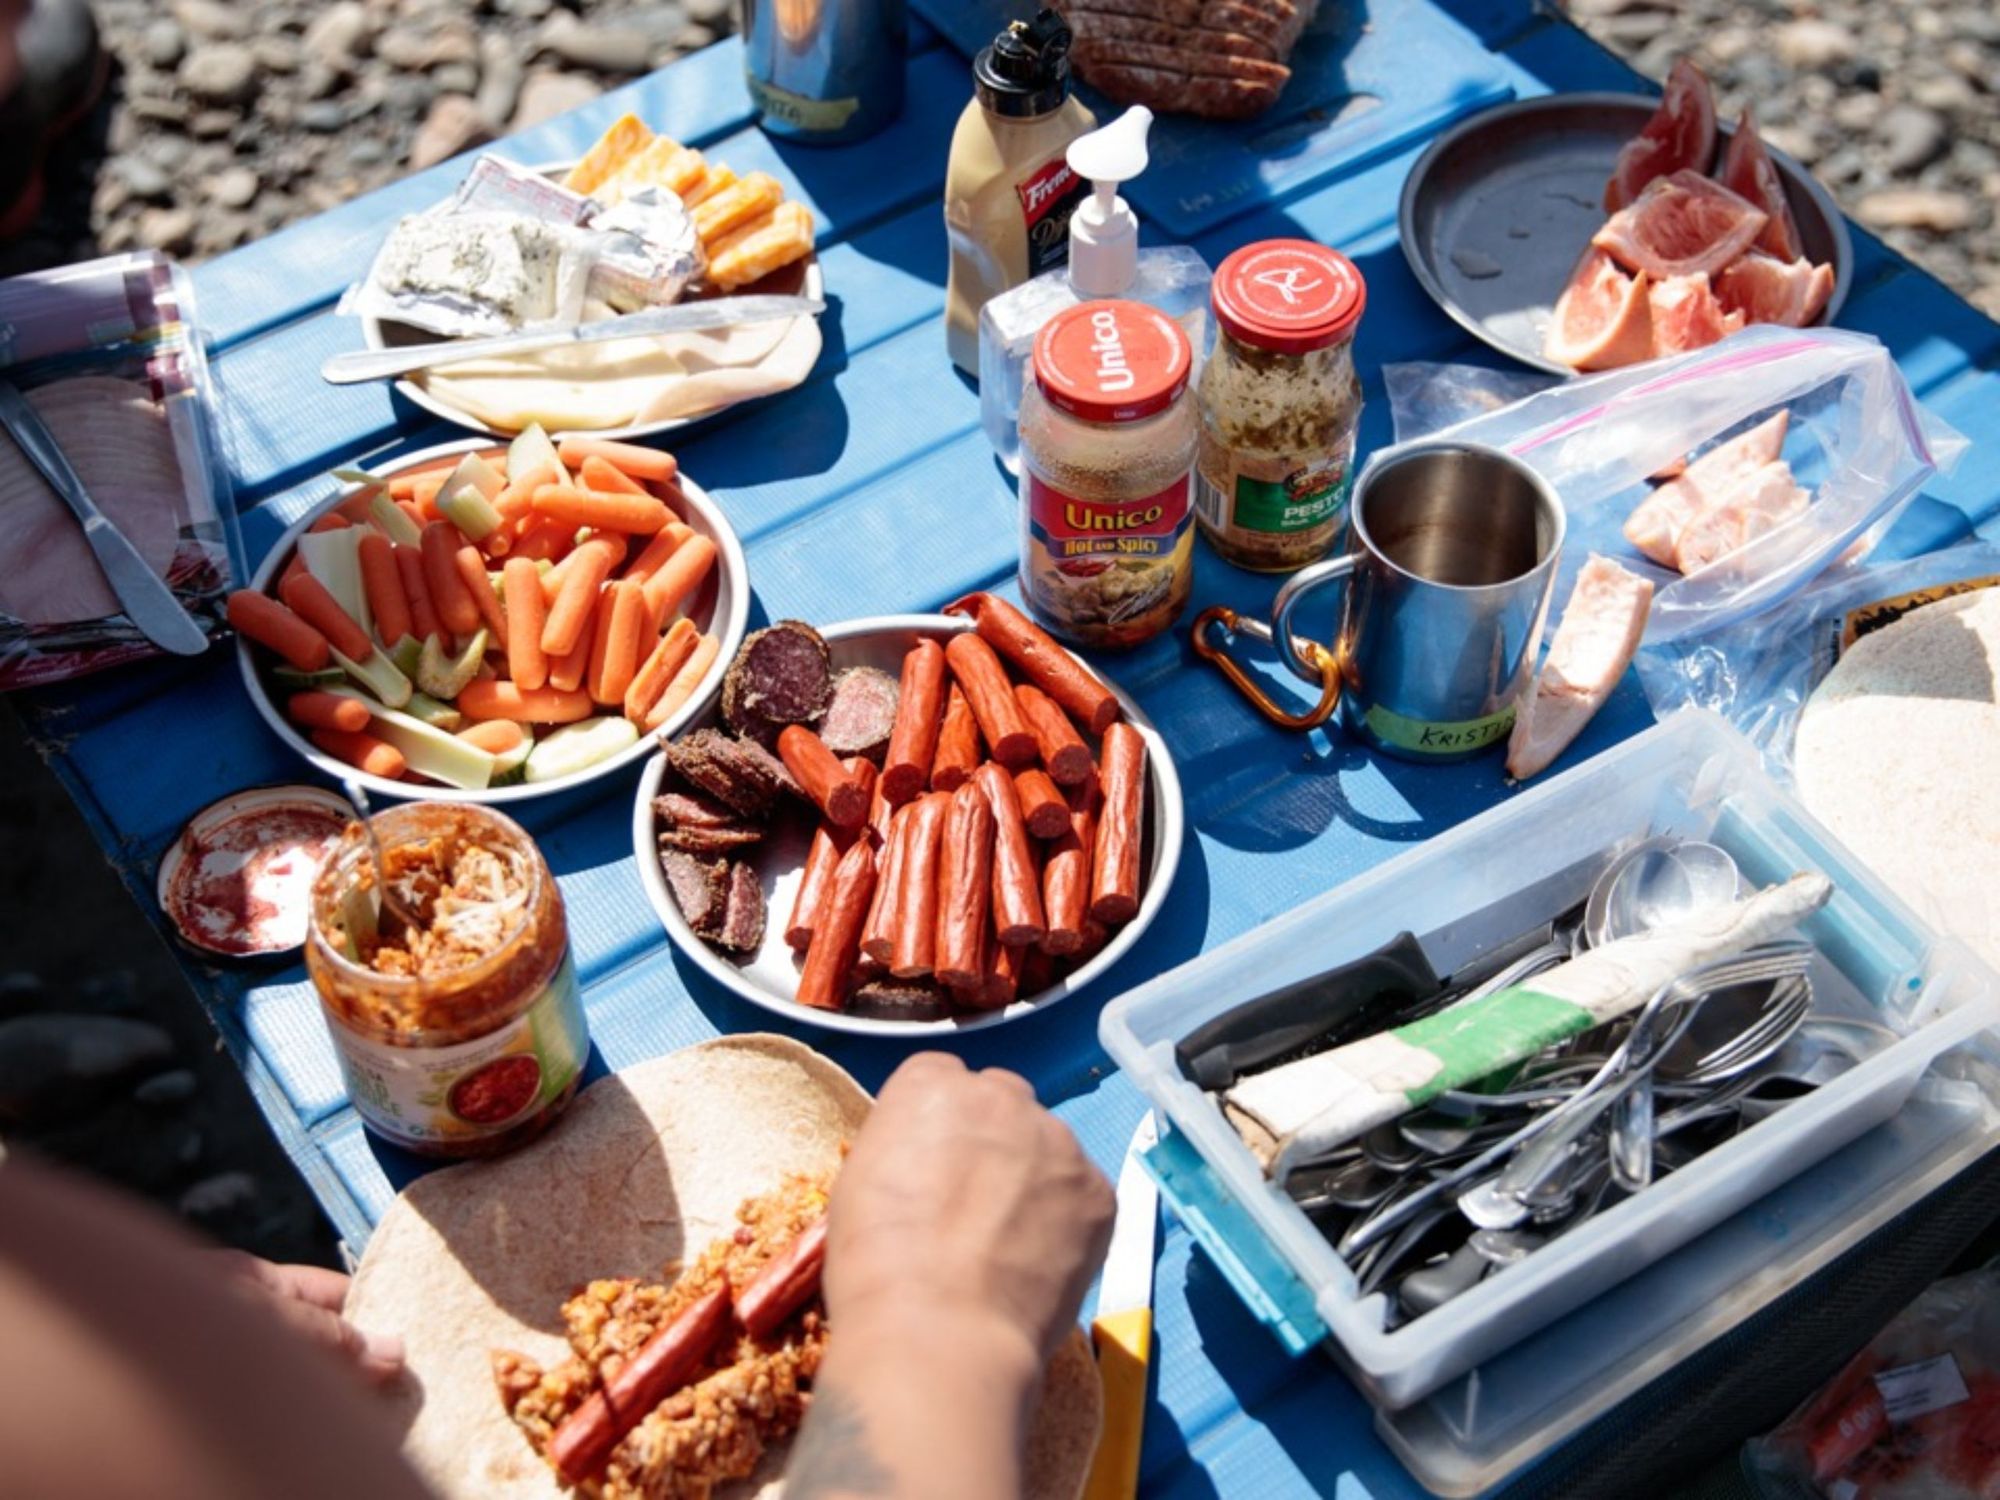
(1451, 555)
(825, 71)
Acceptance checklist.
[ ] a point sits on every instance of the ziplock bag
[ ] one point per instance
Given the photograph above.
(107, 353)
(1857, 440)
(1426, 397)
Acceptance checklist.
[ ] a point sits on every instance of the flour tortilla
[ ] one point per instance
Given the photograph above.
(648, 1167)
(1898, 752)
(117, 439)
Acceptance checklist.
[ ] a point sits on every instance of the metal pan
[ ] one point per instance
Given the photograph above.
(1498, 211)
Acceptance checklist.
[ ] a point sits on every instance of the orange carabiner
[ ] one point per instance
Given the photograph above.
(1315, 655)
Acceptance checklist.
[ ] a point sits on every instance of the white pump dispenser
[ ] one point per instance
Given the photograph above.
(1104, 261)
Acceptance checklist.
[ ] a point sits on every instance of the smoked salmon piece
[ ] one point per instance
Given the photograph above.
(1759, 288)
(1593, 645)
(1683, 224)
(1755, 503)
(1655, 527)
(1748, 172)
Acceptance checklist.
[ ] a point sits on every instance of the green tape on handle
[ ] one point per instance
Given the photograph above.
(1477, 1040)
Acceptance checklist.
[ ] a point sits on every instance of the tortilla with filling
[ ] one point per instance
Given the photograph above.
(117, 439)
(649, 1166)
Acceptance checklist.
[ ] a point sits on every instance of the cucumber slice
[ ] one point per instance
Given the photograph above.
(437, 715)
(576, 747)
(428, 750)
(379, 675)
(334, 559)
(443, 677)
(531, 450)
(300, 682)
(508, 767)
(393, 523)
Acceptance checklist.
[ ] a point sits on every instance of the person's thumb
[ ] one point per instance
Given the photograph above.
(379, 1356)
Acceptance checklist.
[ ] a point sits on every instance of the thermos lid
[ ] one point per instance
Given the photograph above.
(1110, 361)
(1026, 70)
(1288, 296)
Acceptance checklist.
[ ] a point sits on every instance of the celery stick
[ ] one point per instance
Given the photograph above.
(393, 523)
(379, 675)
(429, 751)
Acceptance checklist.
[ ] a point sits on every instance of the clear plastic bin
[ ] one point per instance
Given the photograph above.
(1465, 893)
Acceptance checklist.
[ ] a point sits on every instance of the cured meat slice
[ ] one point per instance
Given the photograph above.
(1680, 136)
(743, 910)
(1683, 224)
(1757, 503)
(700, 887)
(1686, 315)
(781, 675)
(1655, 527)
(1603, 318)
(1193, 60)
(1593, 645)
(862, 714)
(1112, 28)
(1749, 172)
(1759, 288)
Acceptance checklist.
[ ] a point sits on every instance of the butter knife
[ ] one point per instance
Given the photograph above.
(149, 603)
(686, 317)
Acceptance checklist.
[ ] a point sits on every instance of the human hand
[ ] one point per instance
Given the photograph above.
(965, 1203)
(309, 1299)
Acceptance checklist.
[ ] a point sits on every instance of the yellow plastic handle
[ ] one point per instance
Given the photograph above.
(1124, 1343)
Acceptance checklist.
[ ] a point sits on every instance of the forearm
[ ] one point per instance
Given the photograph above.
(909, 1407)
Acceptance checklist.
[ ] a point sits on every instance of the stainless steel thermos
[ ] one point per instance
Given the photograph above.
(825, 71)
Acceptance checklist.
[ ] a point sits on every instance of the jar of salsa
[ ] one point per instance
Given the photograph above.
(1108, 435)
(1280, 404)
(453, 1004)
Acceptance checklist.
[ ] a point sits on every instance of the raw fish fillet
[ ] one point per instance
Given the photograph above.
(1687, 316)
(1593, 645)
(1748, 172)
(1759, 502)
(1758, 288)
(1655, 527)
(1683, 224)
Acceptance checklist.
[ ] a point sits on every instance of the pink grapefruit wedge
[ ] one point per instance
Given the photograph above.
(1748, 172)
(1762, 289)
(1680, 136)
(1683, 224)
(1602, 319)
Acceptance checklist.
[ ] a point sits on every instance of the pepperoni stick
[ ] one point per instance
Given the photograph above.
(788, 1279)
(383, 584)
(915, 944)
(991, 695)
(965, 889)
(423, 615)
(839, 793)
(1041, 659)
(1062, 748)
(837, 934)
(1000, 985)
(828, 845)
(919, 706)
(880, 814)
(1018, 920)
(1066, 875)
(878, 933)
(1042, 806)
(957, 755)
(456, 609)
(1114, 871)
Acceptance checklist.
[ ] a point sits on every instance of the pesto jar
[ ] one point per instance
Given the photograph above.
(1280, 404)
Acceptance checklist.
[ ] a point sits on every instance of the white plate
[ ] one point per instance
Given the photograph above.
(800, 279)
(722, 609)
(769, 977)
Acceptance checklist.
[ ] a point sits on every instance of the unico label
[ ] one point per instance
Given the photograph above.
(1049, 195)
(1098, 532)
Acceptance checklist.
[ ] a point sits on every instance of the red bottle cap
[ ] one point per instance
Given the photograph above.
(1111, 361)
(1288, 296)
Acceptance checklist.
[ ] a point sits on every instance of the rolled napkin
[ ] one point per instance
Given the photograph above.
(1301, 1111)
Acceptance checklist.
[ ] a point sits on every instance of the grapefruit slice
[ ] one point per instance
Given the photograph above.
(1600, 629)
(1655, 527)
(1748, 172)
(1602, 319)
(1680, 136)
(1756, 503)
(1683, 224)
(1687, 316)
(1763, 289)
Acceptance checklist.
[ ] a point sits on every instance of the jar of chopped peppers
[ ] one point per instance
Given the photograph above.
(1280, 404)
(448, 985)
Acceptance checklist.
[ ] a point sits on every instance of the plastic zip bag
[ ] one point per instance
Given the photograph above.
(1858, 441)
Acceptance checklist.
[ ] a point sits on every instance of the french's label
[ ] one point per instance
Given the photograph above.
(1049, 196)
(1092, 533)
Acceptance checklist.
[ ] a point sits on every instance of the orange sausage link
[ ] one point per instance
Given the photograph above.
(957, 755)
(965, 896)
(915, 930)
(1042, 806)
(878, 933)
(836, 940)
(1062, 749)
(828, 844)
(838, 792)
(786, 1283)
(919, 714)
(1114, 871)
(1018, 920)
(1041, 658)
(991, 695)
(1066, 875)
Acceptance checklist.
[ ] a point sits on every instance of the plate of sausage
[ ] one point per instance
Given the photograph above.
(910, 823)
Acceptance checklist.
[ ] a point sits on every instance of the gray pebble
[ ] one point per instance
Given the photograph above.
(277, 53)
(427, 47)
(143, 178)
(212, 20)
(526, 10)
(367, 152)
(660, 23)
(1912, 137)
(1940, 212)
(453, 125)
(217, 1195)
(500, 78)
(234, 188)
(456, 78)
(715, 13)
(168, 229)
(547, 92)
(601, 48)
(53, 1063)
(212, 124)
(317, 80)
(338, 36)
(323, 116)
(407, 95)
(162, 1089)
(162, 43)
(1812, 43)
(220, 73)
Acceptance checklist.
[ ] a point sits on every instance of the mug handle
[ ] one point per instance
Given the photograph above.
(1303, 657)
(1325, 665)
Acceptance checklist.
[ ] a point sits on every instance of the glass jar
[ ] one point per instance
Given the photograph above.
(1280, 404)
(1108, 440)
(463, 1034)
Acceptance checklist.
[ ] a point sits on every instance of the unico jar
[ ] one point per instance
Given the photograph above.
(1108, 439)
(460, 1031)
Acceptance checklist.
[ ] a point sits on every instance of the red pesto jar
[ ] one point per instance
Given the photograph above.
(1108, 439)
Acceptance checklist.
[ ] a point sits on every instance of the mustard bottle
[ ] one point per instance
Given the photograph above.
(1009, 192)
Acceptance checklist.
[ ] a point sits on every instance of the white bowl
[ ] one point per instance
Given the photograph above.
(769, 977)
(722, 609)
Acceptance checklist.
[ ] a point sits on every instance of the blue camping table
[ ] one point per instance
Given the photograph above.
(871, 490)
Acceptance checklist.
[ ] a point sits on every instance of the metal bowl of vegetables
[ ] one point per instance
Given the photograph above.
(425, 698)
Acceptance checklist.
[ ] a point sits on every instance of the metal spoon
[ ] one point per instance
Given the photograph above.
(358, 799)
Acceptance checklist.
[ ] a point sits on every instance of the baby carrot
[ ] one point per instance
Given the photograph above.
(517, 499)
(416, 517)
(639, 514)
(327, 711)
(331, 521)
(611, 672)
(612, 543)
(424, 493)
(527, 664)
(494, 736)
(629, 458)
(600, 637)
(686, 680)
(659, 669)
(598, 475)
(456, 609)
(423, 615)
(678, 578)
(658, 550)
(472, 569)
(376, 757)
(504, 700)
(544, 540)
(568, 672)
(267, 622)
(309, 599)
(583, 575)
(383, 583)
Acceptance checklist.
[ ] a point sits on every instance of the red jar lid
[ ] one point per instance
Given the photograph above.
(1288, 296)
(1111, 361)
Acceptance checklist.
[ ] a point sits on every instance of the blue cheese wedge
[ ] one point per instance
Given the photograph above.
(481, 272)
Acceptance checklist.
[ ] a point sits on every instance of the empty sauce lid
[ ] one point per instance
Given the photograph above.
(1112, 361)
(238, 880)
(1288, 296)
